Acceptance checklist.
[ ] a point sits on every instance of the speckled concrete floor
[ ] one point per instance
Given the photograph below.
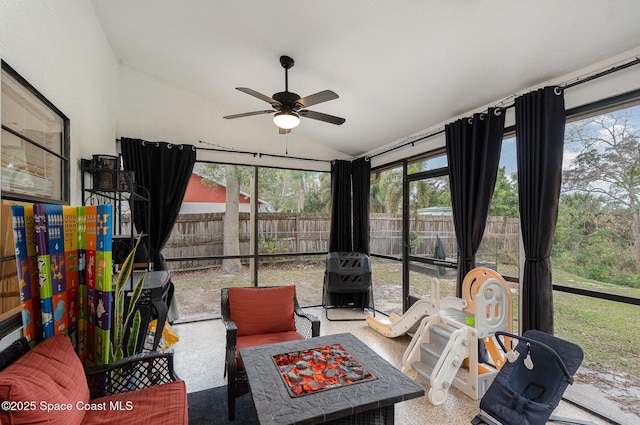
(199, 360)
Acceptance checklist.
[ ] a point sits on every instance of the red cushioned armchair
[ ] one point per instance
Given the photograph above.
(47, 384)
(258, 316)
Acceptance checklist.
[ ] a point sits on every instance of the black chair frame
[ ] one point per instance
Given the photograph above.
(307, 325)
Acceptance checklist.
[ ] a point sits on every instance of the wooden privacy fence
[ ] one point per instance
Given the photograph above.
(201, 235)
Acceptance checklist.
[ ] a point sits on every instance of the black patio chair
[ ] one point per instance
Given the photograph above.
(257, 316)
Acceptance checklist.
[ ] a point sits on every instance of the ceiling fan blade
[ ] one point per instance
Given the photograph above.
(247, 114)
(322, 117)
(258, 95)
(314, 99)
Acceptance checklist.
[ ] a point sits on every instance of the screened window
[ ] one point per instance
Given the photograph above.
(34, 167)
(597, 245)
(34, 143)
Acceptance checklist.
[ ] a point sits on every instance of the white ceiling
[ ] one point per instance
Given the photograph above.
(399, 67)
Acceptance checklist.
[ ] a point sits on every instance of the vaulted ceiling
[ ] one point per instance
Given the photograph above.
(399, 67)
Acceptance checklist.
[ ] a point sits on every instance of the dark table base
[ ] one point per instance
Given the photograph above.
(380, 416)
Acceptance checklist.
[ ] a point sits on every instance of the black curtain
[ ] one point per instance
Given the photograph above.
(163, 170)
(540, 118)
(340, 235)
(361, 181)
(473, 153)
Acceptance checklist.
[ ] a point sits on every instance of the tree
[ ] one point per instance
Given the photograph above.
(607, 164)
(295, 190)
(233, 177)
(505, 196)
(231, 244)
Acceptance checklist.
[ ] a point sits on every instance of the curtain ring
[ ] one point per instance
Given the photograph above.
(497, 112)
(169, 145)
(144, 143)
(180, 147)
(470, 120)
(367, 159)
(557, 90)
(157, 144)
(482, 117)
(193, 148)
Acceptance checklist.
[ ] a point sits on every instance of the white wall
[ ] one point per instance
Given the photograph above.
(154, 110)
(614, 84)
(60, 49)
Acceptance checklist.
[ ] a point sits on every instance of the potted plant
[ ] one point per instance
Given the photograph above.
(126, 324)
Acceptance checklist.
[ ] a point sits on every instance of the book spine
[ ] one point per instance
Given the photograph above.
(44, 269)
(27, 271)
(103, 290)
(70, 219)
(82, 284)
(55, 224)
(104, 266)
(91, 245)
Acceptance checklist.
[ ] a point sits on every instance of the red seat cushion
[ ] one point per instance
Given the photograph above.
(262, 310)
(49, 374)
(158, 405)
(262, 339)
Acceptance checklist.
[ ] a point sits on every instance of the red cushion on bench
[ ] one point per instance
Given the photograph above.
(158, 405)
(50, 373)
(262, 310)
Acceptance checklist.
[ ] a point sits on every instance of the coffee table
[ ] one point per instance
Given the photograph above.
(369, 402)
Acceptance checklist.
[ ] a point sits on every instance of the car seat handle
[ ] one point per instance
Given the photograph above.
(553, 352)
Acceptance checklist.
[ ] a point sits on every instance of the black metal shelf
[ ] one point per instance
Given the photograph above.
(119, 190)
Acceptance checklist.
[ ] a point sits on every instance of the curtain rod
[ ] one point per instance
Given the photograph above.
(260, 155)
(563, 86)
(157, 144)
(254, 154)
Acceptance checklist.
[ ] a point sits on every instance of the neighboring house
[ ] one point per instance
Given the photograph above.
(203, 198)
(442, 211)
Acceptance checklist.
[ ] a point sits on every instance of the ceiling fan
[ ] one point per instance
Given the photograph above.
(288, 106)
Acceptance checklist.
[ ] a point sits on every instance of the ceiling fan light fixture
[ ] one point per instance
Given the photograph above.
(286, 120)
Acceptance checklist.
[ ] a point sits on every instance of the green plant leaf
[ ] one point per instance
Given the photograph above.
(133, 334)
(120, 319)
(135, 296)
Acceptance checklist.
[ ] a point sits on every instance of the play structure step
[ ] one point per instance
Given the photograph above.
(423, 369)
(439, 335)
(430, 352)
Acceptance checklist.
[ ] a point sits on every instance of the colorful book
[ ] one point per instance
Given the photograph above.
(82, 244)
(27, 270)
(65, 272)
(82, 284)
(70, 219)
(44, 269)
(104, 237)
(55, 236)
(103, 294)
(92, 212)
